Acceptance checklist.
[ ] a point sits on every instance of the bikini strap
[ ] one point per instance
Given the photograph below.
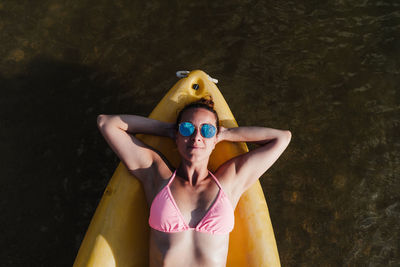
(172, 178)
(216, 180)
(212, 175)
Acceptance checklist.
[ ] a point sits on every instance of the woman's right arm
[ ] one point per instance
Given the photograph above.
(138, 157)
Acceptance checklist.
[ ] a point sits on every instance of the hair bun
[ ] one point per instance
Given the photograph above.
(207, 101)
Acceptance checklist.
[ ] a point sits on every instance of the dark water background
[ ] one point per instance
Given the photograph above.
(326, 70)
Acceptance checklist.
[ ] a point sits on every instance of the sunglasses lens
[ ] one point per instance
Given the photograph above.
(186, 128)
(208, 130)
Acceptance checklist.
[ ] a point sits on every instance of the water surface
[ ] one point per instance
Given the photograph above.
(329, 72)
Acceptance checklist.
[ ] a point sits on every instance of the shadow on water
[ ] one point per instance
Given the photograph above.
(51, 145)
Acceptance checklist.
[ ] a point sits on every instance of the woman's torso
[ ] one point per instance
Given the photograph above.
(189, 247)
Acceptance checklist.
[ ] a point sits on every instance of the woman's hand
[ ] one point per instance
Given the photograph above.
(221, 136)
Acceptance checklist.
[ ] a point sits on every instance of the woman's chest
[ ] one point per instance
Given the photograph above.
(193, 205)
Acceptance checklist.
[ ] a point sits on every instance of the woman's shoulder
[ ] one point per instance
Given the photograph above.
(164, 166)
(226, 174)
(160, 170)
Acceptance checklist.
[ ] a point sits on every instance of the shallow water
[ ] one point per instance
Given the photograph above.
(329, 72)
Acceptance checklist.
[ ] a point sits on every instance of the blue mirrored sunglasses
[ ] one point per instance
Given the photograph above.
(206, 130)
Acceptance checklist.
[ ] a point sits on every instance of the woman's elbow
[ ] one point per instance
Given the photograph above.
(288, 133)
(101, 120)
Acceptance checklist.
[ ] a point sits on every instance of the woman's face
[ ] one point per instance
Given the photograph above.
(196, 147)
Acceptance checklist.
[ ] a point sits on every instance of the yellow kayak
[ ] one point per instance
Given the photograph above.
(118, 234)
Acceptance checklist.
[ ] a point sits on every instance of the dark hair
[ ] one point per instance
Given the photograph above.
(201, 103)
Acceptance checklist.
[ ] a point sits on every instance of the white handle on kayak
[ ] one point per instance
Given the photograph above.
(184, 74)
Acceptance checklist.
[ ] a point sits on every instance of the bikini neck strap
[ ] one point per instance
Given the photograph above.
(172, 178)
(215, 179)
(212, 175)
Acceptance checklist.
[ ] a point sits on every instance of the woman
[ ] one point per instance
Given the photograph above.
(191, 209)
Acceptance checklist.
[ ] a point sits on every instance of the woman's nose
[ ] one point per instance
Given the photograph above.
(196, 135)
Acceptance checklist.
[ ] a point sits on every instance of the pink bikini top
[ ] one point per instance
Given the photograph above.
(166, 217)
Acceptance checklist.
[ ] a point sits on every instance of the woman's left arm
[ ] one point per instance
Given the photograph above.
(250, 166)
